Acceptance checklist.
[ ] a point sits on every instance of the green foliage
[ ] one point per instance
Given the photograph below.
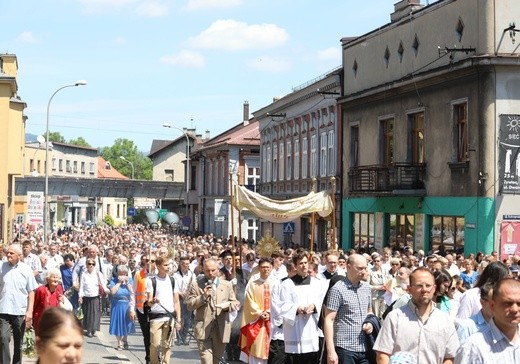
(29, 348)
(55, 136)
(109, 220)
(126, 148)
(80, 142)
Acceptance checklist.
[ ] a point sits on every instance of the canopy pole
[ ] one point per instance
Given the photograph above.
(231, 205)
(333, 201)
(313, 218)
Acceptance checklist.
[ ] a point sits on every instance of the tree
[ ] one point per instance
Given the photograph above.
(127, 148)
(80, 142)
(55, 136)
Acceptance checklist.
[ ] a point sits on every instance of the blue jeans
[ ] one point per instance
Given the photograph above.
(17, 325)
(351, 357)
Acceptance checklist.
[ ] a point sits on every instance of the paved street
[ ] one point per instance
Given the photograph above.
(101, 349)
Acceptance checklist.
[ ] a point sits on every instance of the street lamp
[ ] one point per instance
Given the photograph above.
(187, 161)
(131, 165)
(46, 218)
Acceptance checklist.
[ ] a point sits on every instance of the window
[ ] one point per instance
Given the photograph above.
(288, 171)
(252, 229)
(281, 161)
(331, 155)
(118, 211)
(354, 145)
(305, 160)
(323, 154)
(417, 137)
(460, 114)
(269, 159)
(75, 166)
(275, 162)
(108, 209)
(82, 167)
(31, 165)
(313, 155)
(60, 165)
(387, 128)
(168, 175)
(296, 159)
(91, 169)
(193, 177)
(54, 164)
(252, 178)
(67, 166)
(264, 162)
(402, 230)
(210, 178)
(363, 231)
(447, 233)
(38, 166)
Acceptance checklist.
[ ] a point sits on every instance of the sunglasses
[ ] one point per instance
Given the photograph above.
(91, 264)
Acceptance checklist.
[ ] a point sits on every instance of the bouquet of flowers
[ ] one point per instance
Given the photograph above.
(29, 349)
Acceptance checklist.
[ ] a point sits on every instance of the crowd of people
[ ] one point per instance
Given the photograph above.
(288, 306)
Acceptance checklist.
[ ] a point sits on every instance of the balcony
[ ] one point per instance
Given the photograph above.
(393, 179)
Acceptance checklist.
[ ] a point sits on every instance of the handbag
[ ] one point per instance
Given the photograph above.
(66, 305)
(101, 289)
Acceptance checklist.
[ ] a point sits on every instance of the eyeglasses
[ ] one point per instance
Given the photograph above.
(91, 264)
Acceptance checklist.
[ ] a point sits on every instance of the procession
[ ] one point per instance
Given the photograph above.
(253, 304)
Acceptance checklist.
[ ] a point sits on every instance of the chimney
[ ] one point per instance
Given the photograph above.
(403, 8)
(207, 135)
(246, 113)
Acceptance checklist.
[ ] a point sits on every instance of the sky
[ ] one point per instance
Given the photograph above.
(188, 63)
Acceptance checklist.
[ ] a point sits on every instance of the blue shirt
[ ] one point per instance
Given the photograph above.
(15, 284)
(489, 347)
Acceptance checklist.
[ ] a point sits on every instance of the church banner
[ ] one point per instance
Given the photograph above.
(282, 210)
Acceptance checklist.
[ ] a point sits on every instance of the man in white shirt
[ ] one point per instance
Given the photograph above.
(500, 343)
(54, 259)
(164, 302)
(183, 278)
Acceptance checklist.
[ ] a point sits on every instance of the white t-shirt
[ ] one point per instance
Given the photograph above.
(163, 291)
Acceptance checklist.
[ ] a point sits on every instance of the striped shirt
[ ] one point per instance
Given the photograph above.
(489, 347)
(351, 304)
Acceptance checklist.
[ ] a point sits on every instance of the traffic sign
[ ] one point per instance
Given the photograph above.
(288, 227)
(186, 221)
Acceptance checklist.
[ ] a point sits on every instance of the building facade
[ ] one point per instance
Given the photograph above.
(12, 129)
(430, 115)
(232, 157)
(170, 162)
(300, 151)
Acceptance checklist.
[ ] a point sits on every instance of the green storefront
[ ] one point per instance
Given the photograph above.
(428, 223)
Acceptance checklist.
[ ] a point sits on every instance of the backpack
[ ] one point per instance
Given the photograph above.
(146, 307)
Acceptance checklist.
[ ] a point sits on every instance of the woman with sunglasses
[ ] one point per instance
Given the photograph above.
(92, 283)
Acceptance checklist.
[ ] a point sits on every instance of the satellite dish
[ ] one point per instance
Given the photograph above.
(40, 139)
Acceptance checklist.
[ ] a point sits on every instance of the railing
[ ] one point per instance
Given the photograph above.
(385, 179)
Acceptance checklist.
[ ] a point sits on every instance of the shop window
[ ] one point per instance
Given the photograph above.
(447, 233)
(402, 231)
(363, 231)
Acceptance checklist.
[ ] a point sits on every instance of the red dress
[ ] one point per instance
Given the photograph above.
(44, 298)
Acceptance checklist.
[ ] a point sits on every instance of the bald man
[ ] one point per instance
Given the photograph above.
(347, 307)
